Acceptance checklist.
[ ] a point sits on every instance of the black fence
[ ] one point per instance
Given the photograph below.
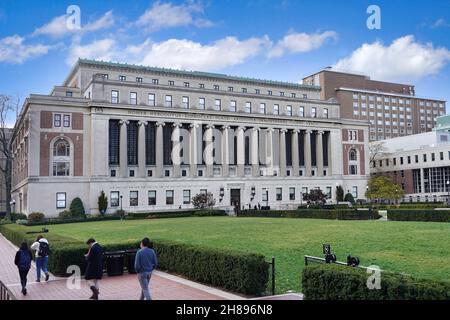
(272, 276)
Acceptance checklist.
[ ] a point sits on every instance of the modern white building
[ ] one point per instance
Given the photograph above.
(153, 138)
(420, 163)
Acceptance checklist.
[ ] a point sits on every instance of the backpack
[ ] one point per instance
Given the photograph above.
(25, 260)
(44, 249)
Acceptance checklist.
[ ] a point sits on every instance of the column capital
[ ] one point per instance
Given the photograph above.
(177, 125)
(320, 132)
(308, 131)
(225, 127)
(295, 130)
(210, 126)
(194, 125)
(124, 122)
(256, 129)
(283, 130)
(141, 122)
(270, 129)
(241, 128)
(160, 124)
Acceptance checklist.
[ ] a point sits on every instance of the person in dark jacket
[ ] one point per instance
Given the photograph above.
(23, 262)
(144, 264)
(94, 268)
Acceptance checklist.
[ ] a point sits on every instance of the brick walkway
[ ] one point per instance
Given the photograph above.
(163, 286)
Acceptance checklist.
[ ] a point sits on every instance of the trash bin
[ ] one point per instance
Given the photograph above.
(114, 263)
(131, 256)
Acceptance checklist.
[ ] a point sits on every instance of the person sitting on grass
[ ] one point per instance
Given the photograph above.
(144, 264)
(23, 262)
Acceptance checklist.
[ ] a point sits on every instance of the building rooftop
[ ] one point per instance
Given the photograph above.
(385, 93)
(200, 74)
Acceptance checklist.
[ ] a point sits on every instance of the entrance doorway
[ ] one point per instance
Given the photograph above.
(235, 196)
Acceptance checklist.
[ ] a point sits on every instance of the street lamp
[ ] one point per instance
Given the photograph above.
(448, 191)
(121, 207)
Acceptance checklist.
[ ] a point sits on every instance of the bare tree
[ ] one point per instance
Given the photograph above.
(377, 149)
(8, 109)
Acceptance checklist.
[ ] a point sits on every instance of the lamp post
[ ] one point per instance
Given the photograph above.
(448, 191)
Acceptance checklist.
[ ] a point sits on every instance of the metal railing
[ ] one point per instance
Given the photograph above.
(5, 293)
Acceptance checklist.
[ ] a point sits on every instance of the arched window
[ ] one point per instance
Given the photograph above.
(61, 158)
(352, 155)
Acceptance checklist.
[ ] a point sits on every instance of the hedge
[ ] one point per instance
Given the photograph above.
(175, 214)
(50, 221)
(235, 271)
(348, 214)
(418, 215)
(334, 282)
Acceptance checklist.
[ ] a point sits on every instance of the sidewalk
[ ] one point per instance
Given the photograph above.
(163, 286)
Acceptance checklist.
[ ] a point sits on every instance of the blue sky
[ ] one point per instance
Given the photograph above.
(278, 40)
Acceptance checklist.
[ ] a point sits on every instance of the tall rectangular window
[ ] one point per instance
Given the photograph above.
(276, 109)
(168, 101)
(248, 107)
(134, 198)
(291, 194)
(218, 105)
(301, 111)
(132, 143)
(133, 98)
(355, 192)
(151, 99)
(185, 102)
(325, 113)
(169, 197)
(114, 96)
(122, 78)
(114, 142)
(186, 196)
(289, 110)
(57, 120)
(139, 80)
(352, 135)
(262, 108)
(152, 198)
(233, 106)
(66, 121)
(279, 194)
(201, 103)
(114, 198)
(60, 200)
(313, 112)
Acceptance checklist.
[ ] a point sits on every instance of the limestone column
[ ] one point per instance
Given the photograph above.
(307, 153)
(269, 151)
(255, 152)
(176, 149)
(319, 153)
(283, 152)
(240, 152)
(193, 149)
(422, 180)
(141, 149)
(209, 159)
(225, 150)
(159, 150)
(295, 159)
(123, 158)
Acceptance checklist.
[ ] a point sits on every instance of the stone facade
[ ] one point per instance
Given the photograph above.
(153, 138)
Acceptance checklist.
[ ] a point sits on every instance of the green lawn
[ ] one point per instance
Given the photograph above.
(416, 248)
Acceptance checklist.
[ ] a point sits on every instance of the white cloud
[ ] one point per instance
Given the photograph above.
(403, 59)
(186, 54)
(174, 53)
(440, 23)
(168, 15)
(300, 42)
(105, 49)
(14, 50)
(57, 27)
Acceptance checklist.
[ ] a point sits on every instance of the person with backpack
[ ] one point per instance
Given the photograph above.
(42, 252)
(23, 262)
(94, 268)
(144, 264)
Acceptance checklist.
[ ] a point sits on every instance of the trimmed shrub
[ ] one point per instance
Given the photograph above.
(339, 214)
(77, 208)
(349, 198)
(418, 215)
(36, 217)
(66, 214)
(22, 222)
(102, 202)
(235, 271)
(334, 282)
(18, 216)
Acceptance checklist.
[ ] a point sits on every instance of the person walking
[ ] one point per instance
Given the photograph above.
(144, 264)
(94, 268)
(42, 252)
(23, 262)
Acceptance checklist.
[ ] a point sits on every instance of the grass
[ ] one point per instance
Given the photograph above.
(416, 248)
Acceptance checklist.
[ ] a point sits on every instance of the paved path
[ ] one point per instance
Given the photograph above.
(163, 286)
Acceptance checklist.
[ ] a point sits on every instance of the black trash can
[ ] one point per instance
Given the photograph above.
(114, 263)
(131, 256)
